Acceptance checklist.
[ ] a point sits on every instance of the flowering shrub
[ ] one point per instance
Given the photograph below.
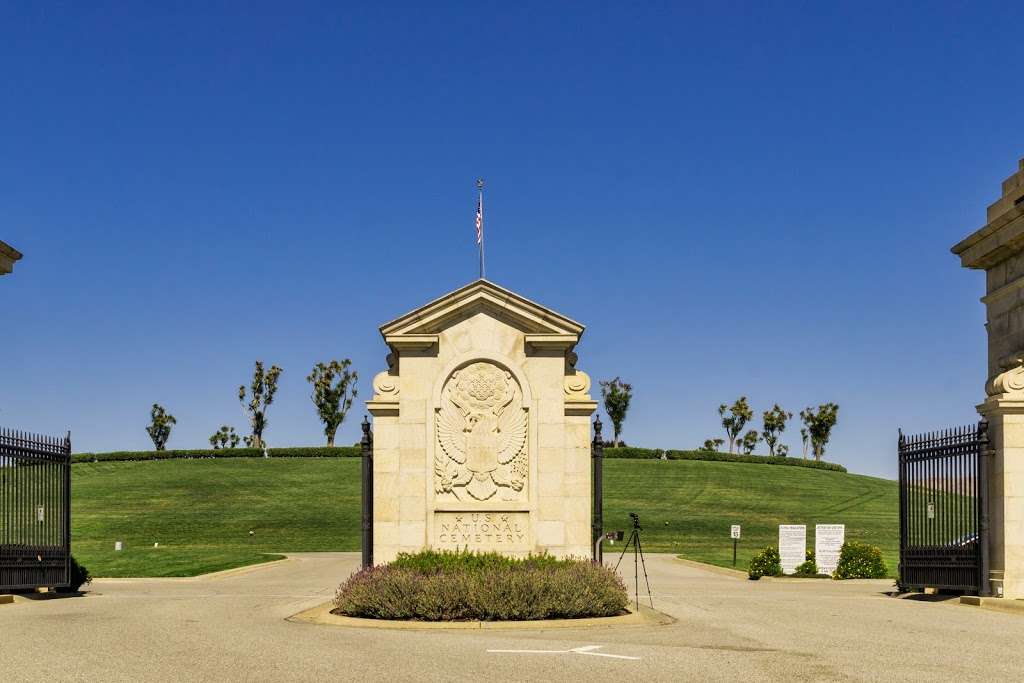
(860, 561)
(434, 586)
(765, 563)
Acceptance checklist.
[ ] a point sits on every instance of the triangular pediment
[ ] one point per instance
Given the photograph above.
(482, 296)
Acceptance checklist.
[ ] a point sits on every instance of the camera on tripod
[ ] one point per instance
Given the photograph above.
(638, 554)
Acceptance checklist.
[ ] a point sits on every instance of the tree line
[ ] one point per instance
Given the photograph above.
(333, 392)
(814, 434)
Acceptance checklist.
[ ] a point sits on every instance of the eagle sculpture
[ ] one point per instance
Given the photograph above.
(481, 429)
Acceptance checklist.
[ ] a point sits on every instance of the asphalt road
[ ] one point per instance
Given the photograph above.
(233, 627)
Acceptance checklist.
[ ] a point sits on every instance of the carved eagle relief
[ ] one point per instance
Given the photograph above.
(481, 435)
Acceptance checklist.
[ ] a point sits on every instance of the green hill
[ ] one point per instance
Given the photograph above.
(201, 511)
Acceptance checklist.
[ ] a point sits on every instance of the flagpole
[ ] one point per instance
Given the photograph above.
(480, 189)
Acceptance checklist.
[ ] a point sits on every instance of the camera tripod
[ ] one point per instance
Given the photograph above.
(638, 553)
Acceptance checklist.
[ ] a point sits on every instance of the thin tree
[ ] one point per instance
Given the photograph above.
(749, 441)
(733, 423)
(334, 389)
(804, 437)
(819, 424)
(159, 428)
(711, 445)
(774, 424)
(261, 395)
(616, 395)
(224, 437)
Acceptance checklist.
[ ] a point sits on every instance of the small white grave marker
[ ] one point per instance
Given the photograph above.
(792, 546)
(828, 541)
(117, 546)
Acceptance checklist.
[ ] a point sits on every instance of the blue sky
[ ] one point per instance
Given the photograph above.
(735, 198)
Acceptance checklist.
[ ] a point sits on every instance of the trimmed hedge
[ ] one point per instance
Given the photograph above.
(627, 452)
(306, 452)
(632, 452)
(459, 586)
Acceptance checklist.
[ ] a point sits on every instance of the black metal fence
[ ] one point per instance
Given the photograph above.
(943, 517)
(35, 510)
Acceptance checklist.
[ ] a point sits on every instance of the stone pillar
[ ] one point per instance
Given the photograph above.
(482, 429)
(998, 249)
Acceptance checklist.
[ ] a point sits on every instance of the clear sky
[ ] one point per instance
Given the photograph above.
(735, 198)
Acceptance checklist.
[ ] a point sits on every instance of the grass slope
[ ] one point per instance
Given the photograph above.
(201, 511)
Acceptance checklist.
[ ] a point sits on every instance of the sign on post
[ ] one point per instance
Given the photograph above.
(735, 532)
(828, 541)
(792, 546)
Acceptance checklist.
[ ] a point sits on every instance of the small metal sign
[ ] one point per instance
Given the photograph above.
(735, 531)
(931, 510)
(40, 513)
(118, 545)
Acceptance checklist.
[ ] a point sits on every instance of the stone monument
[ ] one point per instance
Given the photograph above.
(481, 430)
(998, 249)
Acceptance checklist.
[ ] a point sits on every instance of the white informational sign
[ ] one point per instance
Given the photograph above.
(40, 513)
(828, 541)
(117, 545)
(735, 531)
(792, 546)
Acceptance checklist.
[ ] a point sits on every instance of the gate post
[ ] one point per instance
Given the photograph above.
(597, 455)
(900, 574)
(366, 451)
(984, 456)
(66, 464)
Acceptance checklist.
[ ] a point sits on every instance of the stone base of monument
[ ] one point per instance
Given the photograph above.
(322, 615)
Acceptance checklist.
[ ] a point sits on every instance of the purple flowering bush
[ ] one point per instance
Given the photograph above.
(486, 587)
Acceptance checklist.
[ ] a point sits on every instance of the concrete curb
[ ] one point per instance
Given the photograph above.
(995, 604)
(224, 573)
(715, 569)
(321, 615)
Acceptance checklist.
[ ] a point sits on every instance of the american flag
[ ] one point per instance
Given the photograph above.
(480, 219)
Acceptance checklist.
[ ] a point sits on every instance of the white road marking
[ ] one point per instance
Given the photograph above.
(583, 650)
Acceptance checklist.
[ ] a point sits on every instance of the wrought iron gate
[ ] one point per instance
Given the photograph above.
(35, 510)
(943, 516)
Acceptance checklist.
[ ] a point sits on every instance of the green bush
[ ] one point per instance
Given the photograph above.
(753, 459)
(298, 452)
(765, 563)
(633, 453)
(860, 561)
(456, 586)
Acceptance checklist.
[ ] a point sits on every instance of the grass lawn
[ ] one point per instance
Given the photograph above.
(201, 511)
(686, 507)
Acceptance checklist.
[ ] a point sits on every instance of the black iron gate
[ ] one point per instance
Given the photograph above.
(943, 516)
(35, 510)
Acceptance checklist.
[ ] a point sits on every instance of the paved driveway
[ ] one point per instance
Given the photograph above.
(232, 627)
